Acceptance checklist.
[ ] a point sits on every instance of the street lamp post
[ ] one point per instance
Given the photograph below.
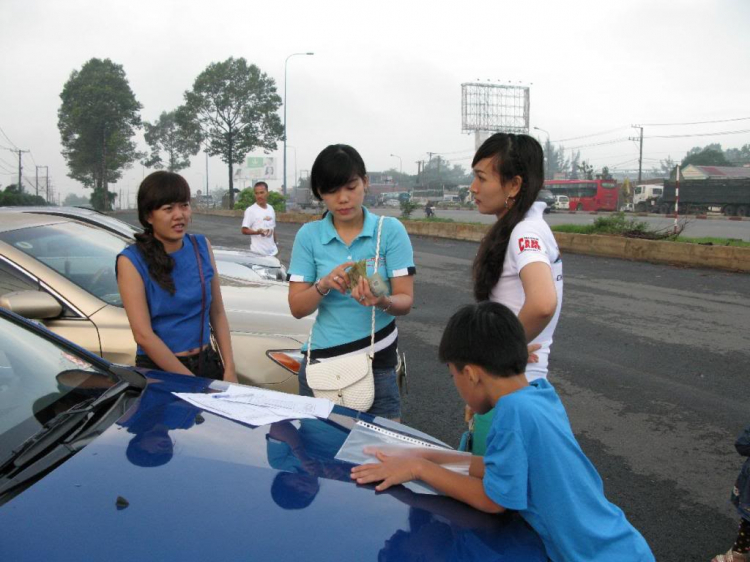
(283, 186)
(400, 163)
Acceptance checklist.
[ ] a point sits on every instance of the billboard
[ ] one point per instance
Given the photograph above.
(261, 168)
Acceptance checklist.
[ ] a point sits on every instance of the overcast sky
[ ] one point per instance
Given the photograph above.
(386, 76)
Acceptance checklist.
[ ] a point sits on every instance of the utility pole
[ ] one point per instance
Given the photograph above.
(640, 155)
(20, 168)
(47, 183)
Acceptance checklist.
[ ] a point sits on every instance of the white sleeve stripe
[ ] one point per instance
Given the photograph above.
(400, 272)
(297, 278)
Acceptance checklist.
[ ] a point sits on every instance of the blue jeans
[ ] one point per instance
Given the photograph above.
(387, 402)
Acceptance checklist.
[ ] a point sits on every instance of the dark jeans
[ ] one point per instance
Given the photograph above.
(211, 366)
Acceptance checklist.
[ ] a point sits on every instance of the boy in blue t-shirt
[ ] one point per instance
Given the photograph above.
(533, 463)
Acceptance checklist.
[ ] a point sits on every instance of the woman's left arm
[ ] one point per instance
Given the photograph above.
(540, 298)
(220, 323)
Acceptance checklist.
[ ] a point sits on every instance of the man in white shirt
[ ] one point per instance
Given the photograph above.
(259, 223)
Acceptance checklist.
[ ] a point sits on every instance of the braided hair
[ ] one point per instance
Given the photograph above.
(157, 189)
(513, 155)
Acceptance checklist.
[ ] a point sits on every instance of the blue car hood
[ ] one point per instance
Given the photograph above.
(171, 482)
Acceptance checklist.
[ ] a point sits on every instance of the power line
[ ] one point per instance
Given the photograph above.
(699, 134)
(614, 141)
(694, 122)
(591, 135)
(6, 136)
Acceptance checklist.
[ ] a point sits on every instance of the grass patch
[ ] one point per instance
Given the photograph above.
(436, 219)
(710, 241)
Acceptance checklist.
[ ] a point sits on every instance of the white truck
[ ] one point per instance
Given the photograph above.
(645, 197)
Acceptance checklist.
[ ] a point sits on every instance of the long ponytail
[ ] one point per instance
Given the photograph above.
(160, 263)
(514, 155)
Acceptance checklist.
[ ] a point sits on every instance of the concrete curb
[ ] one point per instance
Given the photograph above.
(728, 258)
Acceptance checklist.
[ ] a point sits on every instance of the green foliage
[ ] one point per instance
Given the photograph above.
(407, 208)
(711, 155)
(554, 160)
(738, 156)
(234, 107)
(586, 171)
(617, 223)
(97, 121)
(439, 172)
(73, 200)
(11, 196)
(246, 198)
(174, 134)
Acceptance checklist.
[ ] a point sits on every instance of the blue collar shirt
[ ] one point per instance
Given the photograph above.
(318, 249)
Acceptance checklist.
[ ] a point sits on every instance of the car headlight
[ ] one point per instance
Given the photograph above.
(289, 359)
(265, 272)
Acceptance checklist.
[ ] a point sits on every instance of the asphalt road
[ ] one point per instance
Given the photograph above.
(652, 363)
(714, 226)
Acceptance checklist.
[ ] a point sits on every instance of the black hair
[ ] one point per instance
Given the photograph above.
(335, 166)
(486, 334)
(513, 155)
(257, 183)
(157, 189)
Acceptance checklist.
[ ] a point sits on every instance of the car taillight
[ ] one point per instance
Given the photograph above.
(290, 359)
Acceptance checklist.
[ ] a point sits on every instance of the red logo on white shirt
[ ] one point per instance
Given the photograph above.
(529, 243)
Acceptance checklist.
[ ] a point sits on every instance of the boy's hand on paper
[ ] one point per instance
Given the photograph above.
(391, 471)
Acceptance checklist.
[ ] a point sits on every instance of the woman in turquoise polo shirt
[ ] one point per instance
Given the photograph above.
(318, 280)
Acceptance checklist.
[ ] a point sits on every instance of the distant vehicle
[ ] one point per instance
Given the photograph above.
(586, 195)
(562, 203)
(645, 197)
(731, 197)
(546, 196)
(392, 203)
(627, 208)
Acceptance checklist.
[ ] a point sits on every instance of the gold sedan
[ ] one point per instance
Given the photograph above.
(62, 272)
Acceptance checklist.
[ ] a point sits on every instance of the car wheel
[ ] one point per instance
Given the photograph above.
(743, 211)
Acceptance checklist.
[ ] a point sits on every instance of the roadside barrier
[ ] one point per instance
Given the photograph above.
(730, 258)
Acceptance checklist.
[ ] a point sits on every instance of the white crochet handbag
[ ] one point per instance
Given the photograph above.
(346, 381)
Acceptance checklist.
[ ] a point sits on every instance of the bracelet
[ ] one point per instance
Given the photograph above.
(317, 288)
(390, 303)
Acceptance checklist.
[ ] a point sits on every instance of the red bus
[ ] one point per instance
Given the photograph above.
(586, 195)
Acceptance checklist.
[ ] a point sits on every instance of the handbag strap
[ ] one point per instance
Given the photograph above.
(194, 240)
(372, 326)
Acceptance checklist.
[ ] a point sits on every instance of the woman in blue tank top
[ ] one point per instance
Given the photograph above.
(169, 308)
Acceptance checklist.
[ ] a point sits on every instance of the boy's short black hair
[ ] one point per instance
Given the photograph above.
(486, 334)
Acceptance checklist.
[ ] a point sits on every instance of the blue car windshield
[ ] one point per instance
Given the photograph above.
(82, 254)
(39, 380)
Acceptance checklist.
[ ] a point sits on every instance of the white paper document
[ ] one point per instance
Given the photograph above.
(256, 406)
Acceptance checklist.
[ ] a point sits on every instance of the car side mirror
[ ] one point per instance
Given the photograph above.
(34, 305)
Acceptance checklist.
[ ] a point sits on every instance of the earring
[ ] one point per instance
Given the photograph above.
(507, 207)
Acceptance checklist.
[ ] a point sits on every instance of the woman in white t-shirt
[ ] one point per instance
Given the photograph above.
(518, 263)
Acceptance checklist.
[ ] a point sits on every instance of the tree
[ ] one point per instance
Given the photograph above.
(176, 135)
(586, 170)
(234, 106)
(711, 155)
(554, 160)
(438, 172)
(574, 167)
(738, 156)
(12, 196)
(73, 200)
(97, 121)
(665, 167)
(246, 198)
